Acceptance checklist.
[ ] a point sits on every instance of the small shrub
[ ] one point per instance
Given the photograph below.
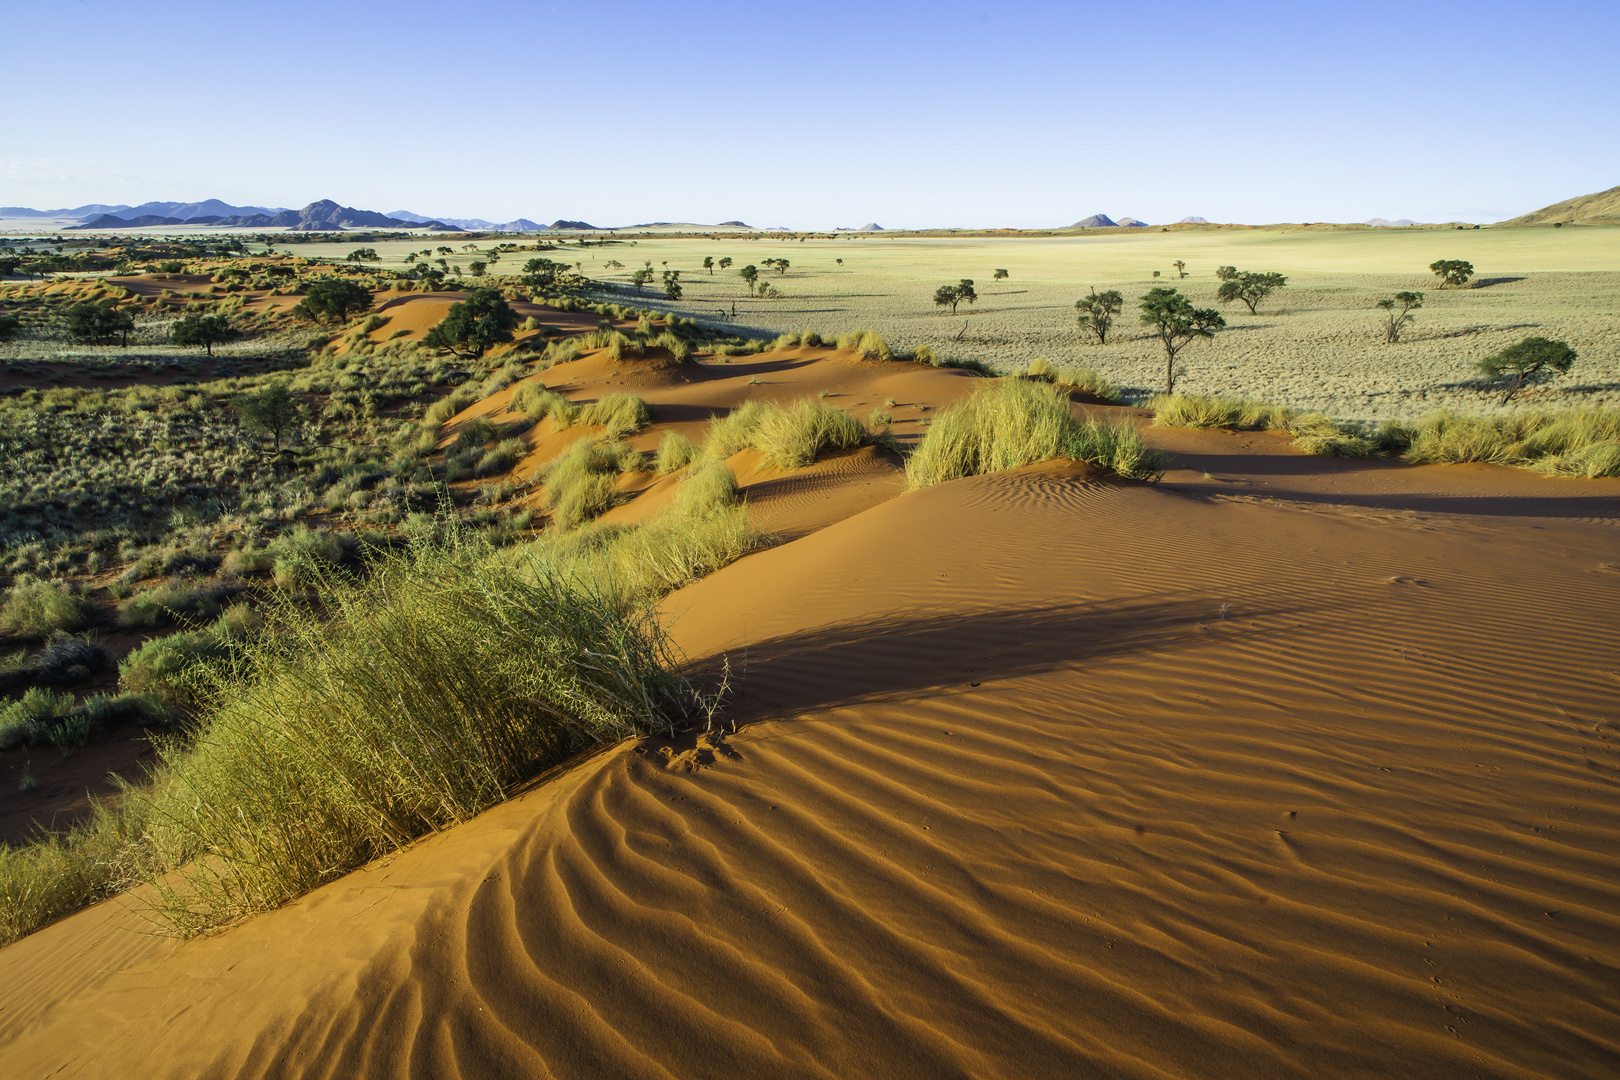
(477, 432)
(36, 609)
(1086, 381)
(501, 457)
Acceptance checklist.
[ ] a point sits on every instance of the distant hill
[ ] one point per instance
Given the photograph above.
(1192, 221)
(522, 224)
(1095, 221)
(180, 211)
(1597, 209)
(1132, 222)
(1384, 223)
(737, 224)
(870, 226)
(564, 223)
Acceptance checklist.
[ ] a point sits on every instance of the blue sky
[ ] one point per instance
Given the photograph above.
(817, 115)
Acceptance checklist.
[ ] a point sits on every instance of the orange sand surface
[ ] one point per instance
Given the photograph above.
(1306, 768)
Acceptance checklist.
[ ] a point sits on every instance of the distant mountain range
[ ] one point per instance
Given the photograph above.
(1384, 223)
(324, 215)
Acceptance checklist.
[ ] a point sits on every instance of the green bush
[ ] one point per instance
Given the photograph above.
(37, 609)
(477, 432)
(1013, 423)
(1086, 381)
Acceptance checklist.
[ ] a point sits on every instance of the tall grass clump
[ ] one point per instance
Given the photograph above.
(705, 528)
(1014, 423)
(61, 872)
(620, 414)
(734, 431)
(1200, 411)
(1563, 442)
(791, 437)
(870, 345)
(583, 482)
(536, 402)
(38, 609)
(440, 682)
(675, 452)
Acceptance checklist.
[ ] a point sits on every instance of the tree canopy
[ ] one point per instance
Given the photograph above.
(1453, 273)
(273, 410)
(1398, 313)
(334, 299)
(99, 322)
(364, 254)
(1097, 311)
(204, 330)
(672, 285)
(475, 325)
(544, 275)
(1177, 324)
(1525, 361)
(750, 274)
(999, 275)
(1245, 285)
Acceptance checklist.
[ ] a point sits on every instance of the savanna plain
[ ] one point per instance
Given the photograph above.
(694, 653)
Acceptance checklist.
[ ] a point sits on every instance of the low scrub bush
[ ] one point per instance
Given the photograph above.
(64, 659)
(1014, 423)
(164, 669)
(180, 600)
(618, 414)
(477, 432)
(1318, 433)
(870, 345)
(37, 609)
(501, 457)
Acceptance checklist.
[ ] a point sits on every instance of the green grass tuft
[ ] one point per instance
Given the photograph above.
(1013, 423)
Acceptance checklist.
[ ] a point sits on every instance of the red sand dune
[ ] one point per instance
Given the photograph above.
(1308, 769)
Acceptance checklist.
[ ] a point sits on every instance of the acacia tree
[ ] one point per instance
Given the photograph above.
(364, 254)
(708, 264)
(1525, 361)
(273, 410)
(1097, 311)
(204, 330)
(725, 263)
(750, 274)
(1245, 285)
(672, 285)
(641, 277)
(477, 267)
(471, 327)
(1177, 324)
(950, 295)
(1181, 269)
(999, 275)
(99, 322)
(333, 298)
(1398, 313)
(1453, 273)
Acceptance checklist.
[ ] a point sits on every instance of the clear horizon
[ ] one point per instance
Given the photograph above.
(1032, 116)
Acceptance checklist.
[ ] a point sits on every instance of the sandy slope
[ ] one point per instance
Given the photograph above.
(1038, 775)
